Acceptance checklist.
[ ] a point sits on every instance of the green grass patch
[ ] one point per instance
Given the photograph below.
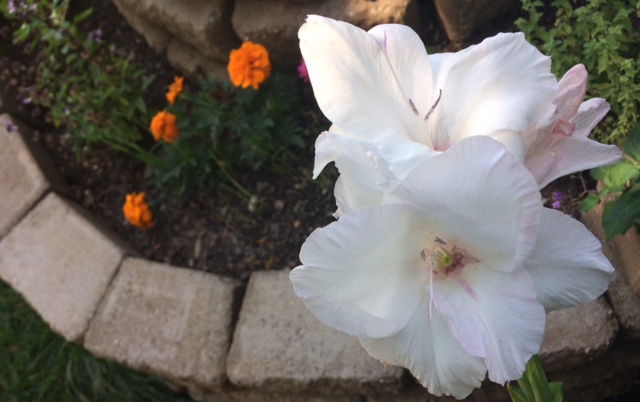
(39, 365)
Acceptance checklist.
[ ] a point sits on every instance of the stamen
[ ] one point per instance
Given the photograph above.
(413, 107)
(434, 106)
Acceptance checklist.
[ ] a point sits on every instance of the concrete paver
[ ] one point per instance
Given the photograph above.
(279, 345)
(578, 335)
(62, 263)
(24, 179)
(168, 321)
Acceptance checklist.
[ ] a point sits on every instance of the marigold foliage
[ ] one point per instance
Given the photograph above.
(175, 89)
(137, 211)
(163, 127)
(249, 65)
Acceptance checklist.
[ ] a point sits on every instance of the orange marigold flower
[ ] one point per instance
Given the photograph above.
(249, 65)
(137, 211)
(163, 127)
(175, 89)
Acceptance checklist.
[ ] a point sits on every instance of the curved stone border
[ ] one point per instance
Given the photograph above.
(207, 333)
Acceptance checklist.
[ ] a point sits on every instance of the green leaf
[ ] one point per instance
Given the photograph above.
(557, 391)
(516, 394)
(589, 202)
(538, 380)
(621, 214)
(632, 146)
(615, 177)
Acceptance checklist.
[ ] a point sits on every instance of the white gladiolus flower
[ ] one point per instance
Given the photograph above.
(381, 87)
(448, 272)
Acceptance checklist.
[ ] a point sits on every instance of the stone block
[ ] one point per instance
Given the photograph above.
(186, 58)
(26, 173)
(62, 262)
(414, 392)
(275, 23)
(577, 335)
(204, 24)
(279, 345)
(461, 18)
(624, 301)
(628, 247)
(608, 376)
(256, 396)
(172, 322)
(157, 37)
(626, 304)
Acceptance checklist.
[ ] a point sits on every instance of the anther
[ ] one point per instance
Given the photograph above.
(413, 107)
(434, 106)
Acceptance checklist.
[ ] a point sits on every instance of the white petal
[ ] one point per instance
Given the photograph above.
(479, 197)
(409, 61)
(567, 265)
(329, 145)
(363, 274)
(572, 88)
(589, 114)
(353, 80)
(570, 155)
(425, 346)
(494, 315)
(358, 185)
(502, 83)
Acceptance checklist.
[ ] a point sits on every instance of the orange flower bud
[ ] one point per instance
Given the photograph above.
(249, 65)
(163, 127)
(137, 211)
(175, 89)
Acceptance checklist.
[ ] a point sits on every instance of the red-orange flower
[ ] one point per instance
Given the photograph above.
(249, 65)
(175, 89)
(163, 127)
(137, 211)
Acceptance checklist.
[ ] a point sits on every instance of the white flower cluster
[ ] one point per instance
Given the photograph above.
(443, 259)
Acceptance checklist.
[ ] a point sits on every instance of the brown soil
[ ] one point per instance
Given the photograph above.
(213, 230)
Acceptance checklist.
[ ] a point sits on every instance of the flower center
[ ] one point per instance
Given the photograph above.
(444, 258)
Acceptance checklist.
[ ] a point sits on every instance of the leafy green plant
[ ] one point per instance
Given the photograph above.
(38, 365)
(620, 190)
(222, 127)
(534, 386)
(91, 91)
(601, 35)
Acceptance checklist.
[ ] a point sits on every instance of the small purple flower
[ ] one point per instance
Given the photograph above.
(10, 126)
(557, 200)
(12, 7)
(96, 35)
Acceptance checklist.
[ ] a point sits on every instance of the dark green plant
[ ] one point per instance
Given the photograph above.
(92, 91)
(534, 386)
(620, 190)
(38, 365)
(601, 35)
(224, 128)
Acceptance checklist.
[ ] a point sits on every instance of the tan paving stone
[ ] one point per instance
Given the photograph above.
(61, 262)
(414, 392)
(24, 177)
(168, 321)
(204, 24)
(578, 335)
(624, 301)
(256, 396)
(279, 345)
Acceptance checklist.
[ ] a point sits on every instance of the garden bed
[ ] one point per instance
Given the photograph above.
(215, 230)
